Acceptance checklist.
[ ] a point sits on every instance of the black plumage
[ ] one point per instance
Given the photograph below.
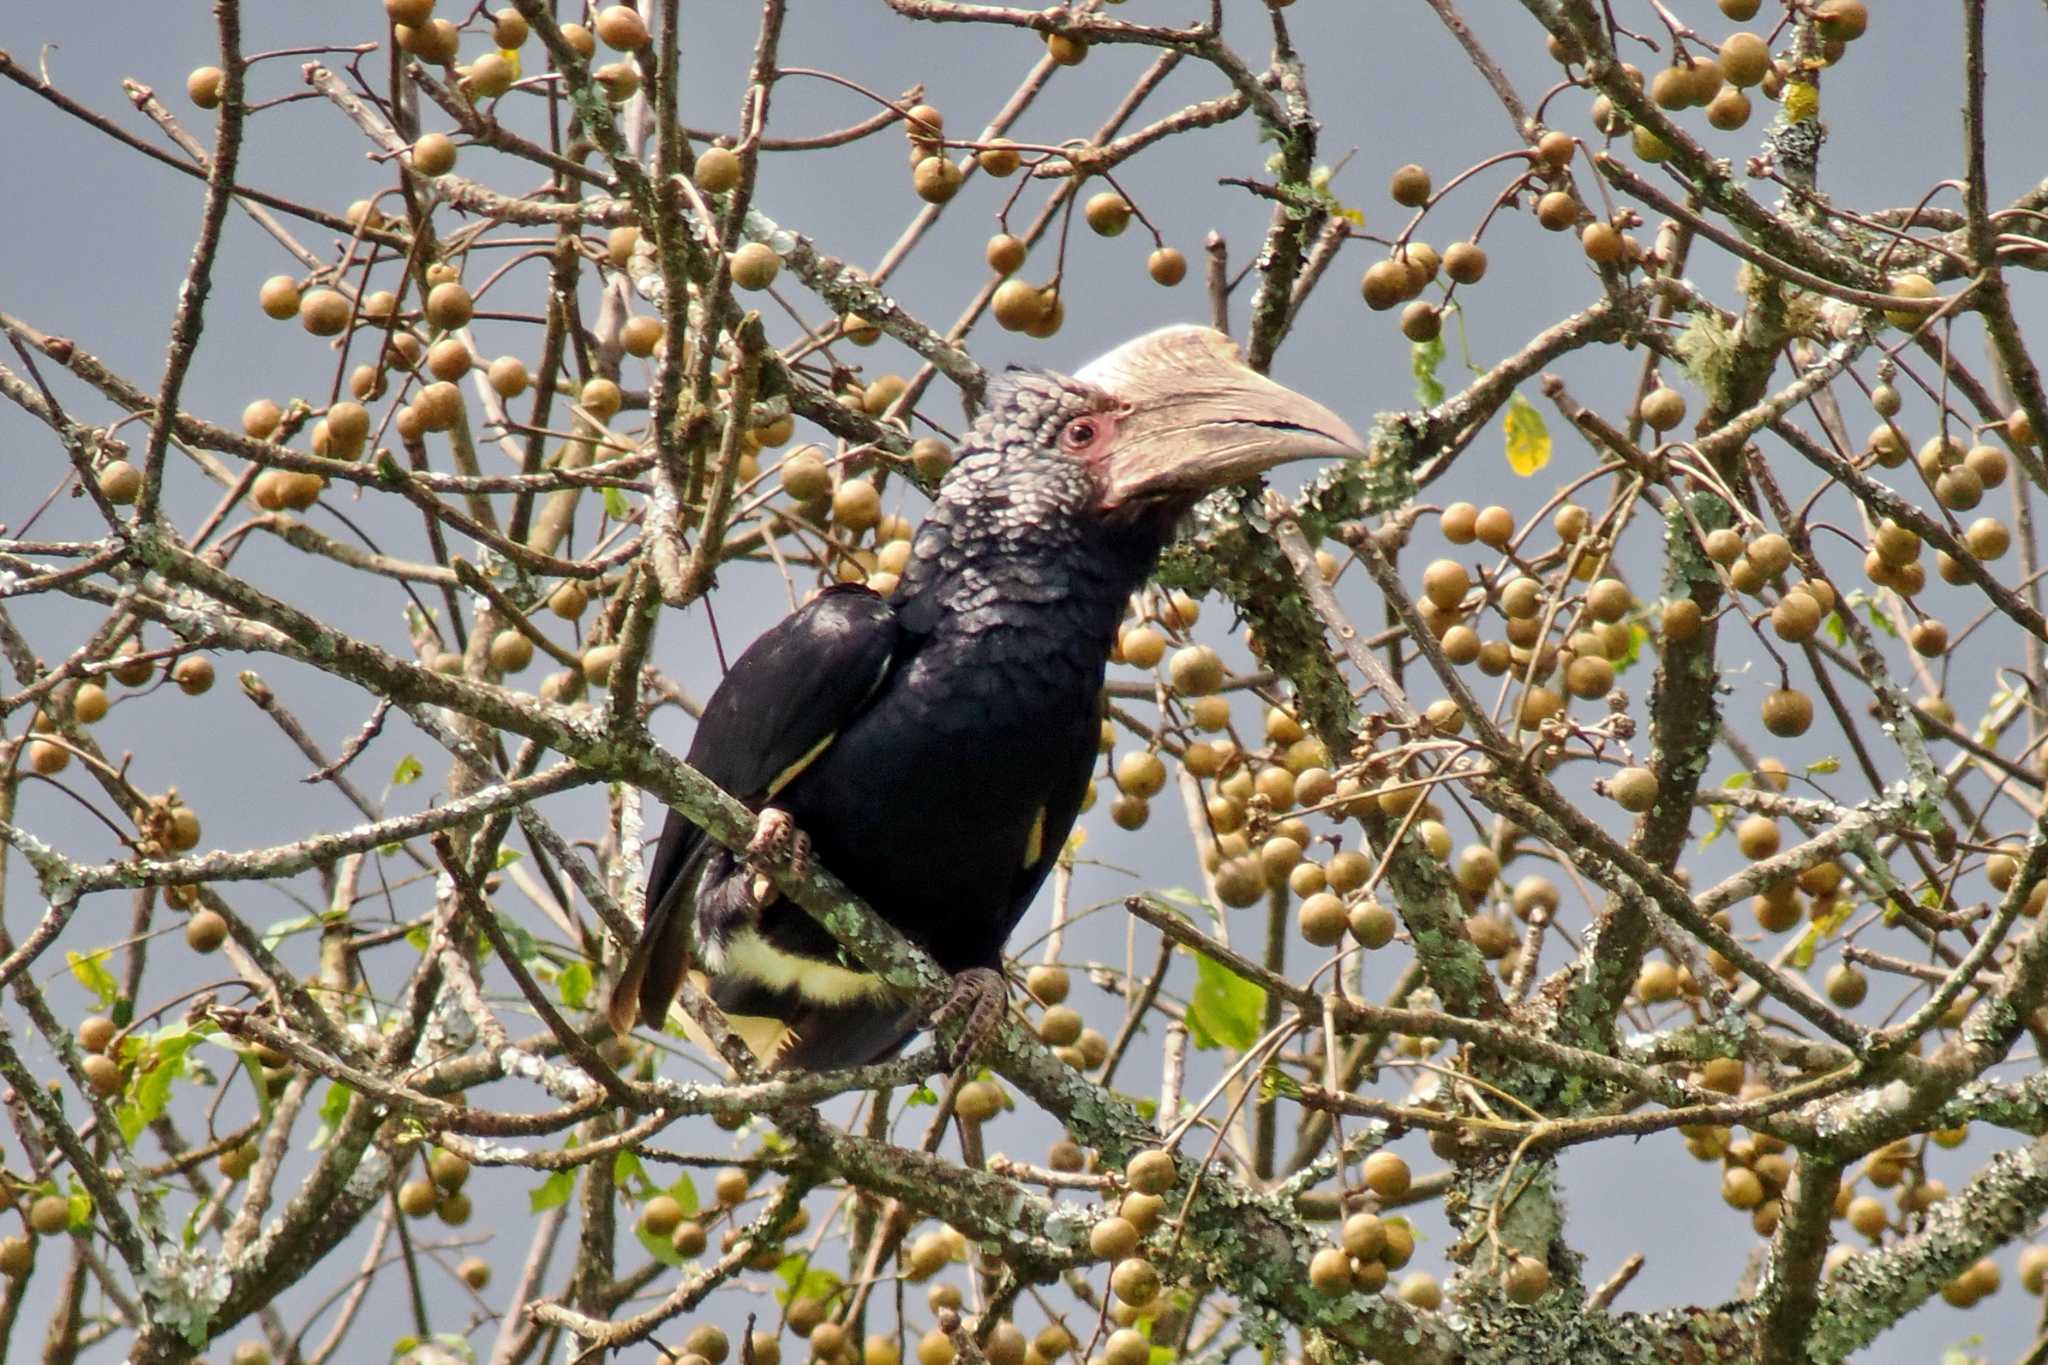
(935, 747)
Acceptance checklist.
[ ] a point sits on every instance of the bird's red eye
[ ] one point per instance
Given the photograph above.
(1079, 434)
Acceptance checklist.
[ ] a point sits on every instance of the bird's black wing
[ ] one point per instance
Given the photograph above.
(1081, 744)
(821, 1036)
(778, 708)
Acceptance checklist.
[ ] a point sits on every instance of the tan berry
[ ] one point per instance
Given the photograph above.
(193, 674)
(1663, 408)
(1601, 243)
(1151, 1172)
(620, 28)
(1909, 286)
(1787, 713)
(1108, 213)
(1386, 1174)
(1135, 1281)
(1004, 253)
(936, 179)
(999, 158)
(718, 170)
(1017, 305)
(324, 313)
(1494, 527)
(1329, 1271)
(1557, 210)
(1065, 49)
(1410, 186)
(1384, 284)
(50, 1215)
(1633, 789)
(205, 931)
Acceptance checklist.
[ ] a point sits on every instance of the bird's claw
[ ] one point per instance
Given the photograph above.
(777, 842)
(776, 839)
(977, 1001)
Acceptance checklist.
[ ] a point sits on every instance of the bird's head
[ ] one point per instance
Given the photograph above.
(1177, 413)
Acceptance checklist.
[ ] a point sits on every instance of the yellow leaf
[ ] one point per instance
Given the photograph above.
(511, 54)
(1528, 438)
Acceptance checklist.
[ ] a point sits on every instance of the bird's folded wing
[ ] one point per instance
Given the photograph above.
(781, 704)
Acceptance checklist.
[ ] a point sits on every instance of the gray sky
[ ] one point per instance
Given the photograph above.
(99, 237)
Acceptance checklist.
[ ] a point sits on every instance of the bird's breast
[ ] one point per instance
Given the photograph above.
(929, 802)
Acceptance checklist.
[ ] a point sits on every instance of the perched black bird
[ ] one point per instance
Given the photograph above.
(934, 747)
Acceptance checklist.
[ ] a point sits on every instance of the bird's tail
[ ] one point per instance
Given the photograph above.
(827, 1037)
(654, 970)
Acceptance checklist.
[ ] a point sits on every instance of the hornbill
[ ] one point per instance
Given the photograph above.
(934, 746)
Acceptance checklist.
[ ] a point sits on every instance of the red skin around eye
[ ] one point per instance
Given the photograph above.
(1095, 449)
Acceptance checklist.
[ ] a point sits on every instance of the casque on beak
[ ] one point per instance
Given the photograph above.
(1196, 417)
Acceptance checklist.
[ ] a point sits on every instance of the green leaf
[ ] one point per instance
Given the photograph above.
(574, 985)
(615, 505)
(157, 1061)
(684, 1192)
(508, 856)
(408, 771)
(629, 1174)
(1423, 358)
(1638, 635)
(91, 971)
(253, 1064)
(1528, 438)
(441, 1346)
(1226, 1010)
(285, 928)
(1148, 1109)
(921, 1098)
(1720, 814)
(1735, 782)
(1881, 618)
(524, 945)
(551, 1193)
(660, 1248)
(1277, 1084)
(333, 1109)
(1818, 932)
(1821, 767)
(804, 1280)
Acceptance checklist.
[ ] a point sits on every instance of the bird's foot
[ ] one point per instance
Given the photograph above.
(777, 842)
(979, 997)
(776, 838)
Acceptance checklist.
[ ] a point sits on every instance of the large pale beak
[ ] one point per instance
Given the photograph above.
(1197, 417)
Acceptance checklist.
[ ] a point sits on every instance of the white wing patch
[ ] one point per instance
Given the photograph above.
(749, 955)
(1034, 846)
(795, 770)
(791, 773)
